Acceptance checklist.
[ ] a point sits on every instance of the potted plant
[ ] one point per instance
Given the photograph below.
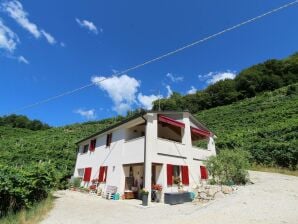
(144, 194)
(92, 189)
(178, 181)
(75, 183)
(157, 188)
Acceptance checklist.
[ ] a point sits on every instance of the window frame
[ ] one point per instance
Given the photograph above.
(109, 139)
(85, 148)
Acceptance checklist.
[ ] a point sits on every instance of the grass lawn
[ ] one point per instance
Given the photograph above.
(274, 170)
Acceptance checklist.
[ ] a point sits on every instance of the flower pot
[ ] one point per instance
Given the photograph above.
(157, 196)
(145, 199)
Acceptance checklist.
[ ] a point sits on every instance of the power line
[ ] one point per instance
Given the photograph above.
(162, 56)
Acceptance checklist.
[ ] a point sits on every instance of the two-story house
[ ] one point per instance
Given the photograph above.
(154, 147)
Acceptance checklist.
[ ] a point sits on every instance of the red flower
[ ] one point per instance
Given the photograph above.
(157, 187)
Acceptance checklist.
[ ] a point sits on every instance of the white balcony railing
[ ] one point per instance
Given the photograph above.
(201, 154)
(133, 151)
(169, 147)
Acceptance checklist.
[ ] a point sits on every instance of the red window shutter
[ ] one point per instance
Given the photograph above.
(106, 172)
(204, 172)
(169, 174)
(92, 145)
(87, 174)
(101, 174)
(185, 175)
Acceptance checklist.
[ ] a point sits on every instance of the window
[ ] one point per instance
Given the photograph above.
(103, 170)
(80, 172)
(87, 174)
(109, 139)
(85, 148)
(92, 145)
(204, 172)
(177, 174)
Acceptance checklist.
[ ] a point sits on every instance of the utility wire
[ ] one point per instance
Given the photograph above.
(162, 56)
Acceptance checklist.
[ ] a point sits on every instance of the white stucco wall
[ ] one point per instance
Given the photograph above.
(158, 151)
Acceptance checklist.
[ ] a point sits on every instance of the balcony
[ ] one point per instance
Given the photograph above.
(201, 154)
(170, 148)
(133, 151)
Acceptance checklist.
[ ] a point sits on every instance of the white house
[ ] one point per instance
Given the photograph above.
(146, 149)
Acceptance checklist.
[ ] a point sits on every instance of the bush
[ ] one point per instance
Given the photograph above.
(229, 167)
(75, 182)
(21, 188)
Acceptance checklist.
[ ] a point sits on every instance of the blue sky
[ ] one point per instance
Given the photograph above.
(49, 47)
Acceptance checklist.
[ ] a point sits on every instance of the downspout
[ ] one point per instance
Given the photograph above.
(144, 151)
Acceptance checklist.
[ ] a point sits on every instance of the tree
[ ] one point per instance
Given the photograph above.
(229, 167)
(223, 92)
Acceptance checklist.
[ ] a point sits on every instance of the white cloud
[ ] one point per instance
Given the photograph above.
(49, 37)
(22, 59)
(8, 39)
(192, 90)
(174, 78)
(87, 114)
(170, 92)
(88, 25)
(213, 77)
(221, 76)
(16, 11)
(62, 44)
(122, 90)
(146, 101)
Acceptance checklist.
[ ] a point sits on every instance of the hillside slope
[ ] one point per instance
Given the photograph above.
(266, 125)
(19, 147)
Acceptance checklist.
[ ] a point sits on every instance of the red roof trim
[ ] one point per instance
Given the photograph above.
(200, 132)
(170, 121)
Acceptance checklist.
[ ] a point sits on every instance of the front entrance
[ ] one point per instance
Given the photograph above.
(156, 177)
(134, 180)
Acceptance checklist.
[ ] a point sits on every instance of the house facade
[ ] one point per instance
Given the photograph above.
(165, 148)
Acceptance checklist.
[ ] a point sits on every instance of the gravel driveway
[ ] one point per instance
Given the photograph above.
(272, 199)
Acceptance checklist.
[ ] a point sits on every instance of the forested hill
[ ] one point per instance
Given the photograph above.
(266, 125)
(21, 121)
(267, 76)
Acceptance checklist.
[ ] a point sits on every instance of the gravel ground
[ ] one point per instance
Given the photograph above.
(273, 198)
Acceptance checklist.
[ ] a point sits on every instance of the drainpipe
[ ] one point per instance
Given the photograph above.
(144, 152)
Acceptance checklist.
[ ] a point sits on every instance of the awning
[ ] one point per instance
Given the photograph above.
(170, 121)
(200, 132)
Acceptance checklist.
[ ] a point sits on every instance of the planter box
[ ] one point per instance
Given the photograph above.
(177, 198)
(145, 199)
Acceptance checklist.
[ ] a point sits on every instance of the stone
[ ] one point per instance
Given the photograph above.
(218, 195)
(203, 195)
(226, 189)
(211, 192)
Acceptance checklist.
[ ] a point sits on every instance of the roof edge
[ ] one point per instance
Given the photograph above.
(112, 126)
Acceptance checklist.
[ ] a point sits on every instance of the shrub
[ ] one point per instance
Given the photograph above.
(76, 182)
(22, 187)
(229, 167)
